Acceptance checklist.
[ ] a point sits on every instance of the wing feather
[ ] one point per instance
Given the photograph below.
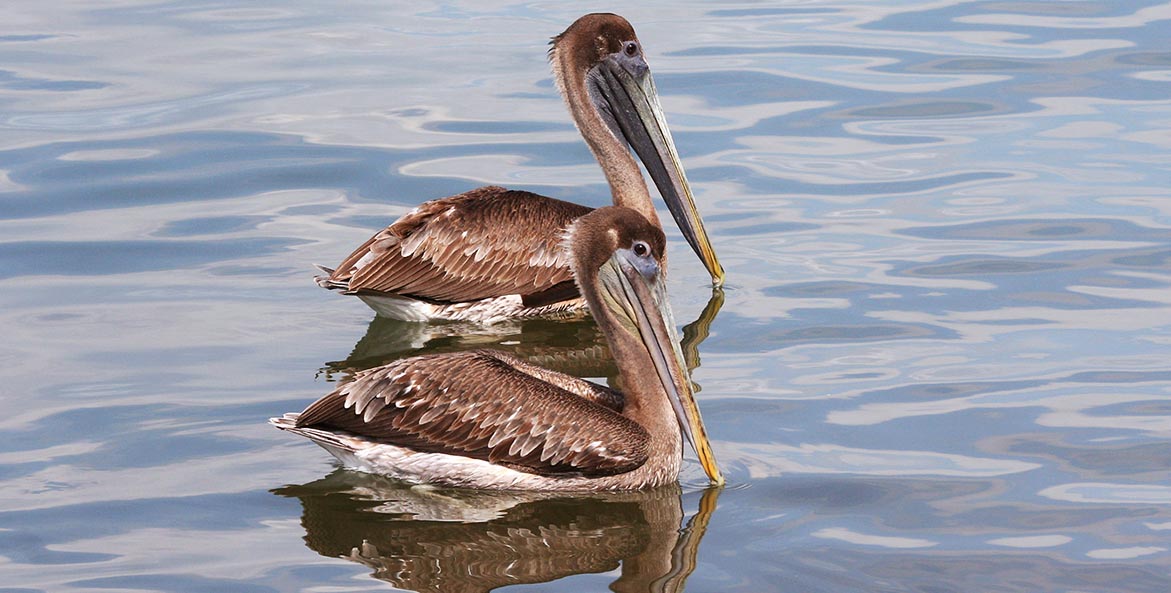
(485, 243)
(599, 394)
(477, 405)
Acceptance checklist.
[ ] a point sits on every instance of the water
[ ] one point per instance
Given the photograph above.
(942, 362)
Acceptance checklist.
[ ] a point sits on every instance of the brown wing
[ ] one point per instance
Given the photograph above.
(599, 394)
(474, 404)
(488, 242)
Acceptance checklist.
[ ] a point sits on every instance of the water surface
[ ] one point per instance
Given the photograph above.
(942, 363)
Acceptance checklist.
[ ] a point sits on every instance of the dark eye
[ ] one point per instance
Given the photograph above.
(631, 49)
(641, 249)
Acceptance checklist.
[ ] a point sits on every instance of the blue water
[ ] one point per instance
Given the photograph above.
(942, 363)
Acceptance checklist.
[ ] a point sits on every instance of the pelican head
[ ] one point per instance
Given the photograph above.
(617, 258)
(600, 68)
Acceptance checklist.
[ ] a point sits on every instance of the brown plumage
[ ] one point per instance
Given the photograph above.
(492, 253)
(487, 419)
(446, 251)
(466, 403)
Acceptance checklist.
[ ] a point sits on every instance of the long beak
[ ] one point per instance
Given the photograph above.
(646, 303)
(634, 103)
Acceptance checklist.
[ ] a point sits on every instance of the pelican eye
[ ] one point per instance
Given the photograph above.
(631, 49)
(641, 249)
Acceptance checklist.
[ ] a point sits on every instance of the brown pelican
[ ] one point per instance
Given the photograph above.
(492, 253)
(486, 419)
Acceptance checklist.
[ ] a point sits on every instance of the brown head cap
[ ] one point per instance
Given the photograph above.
(593, 37)
(593, 238)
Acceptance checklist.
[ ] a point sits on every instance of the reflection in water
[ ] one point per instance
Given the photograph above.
(575, 346)
(571, 346)
(697, 331)
(427, 539)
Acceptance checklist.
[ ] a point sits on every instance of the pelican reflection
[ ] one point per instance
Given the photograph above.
(427, 539)
(571, 346)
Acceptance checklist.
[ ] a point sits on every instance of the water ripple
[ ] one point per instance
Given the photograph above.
(941, 359)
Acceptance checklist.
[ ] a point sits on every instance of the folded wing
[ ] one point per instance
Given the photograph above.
(476, 405)
(485, 243)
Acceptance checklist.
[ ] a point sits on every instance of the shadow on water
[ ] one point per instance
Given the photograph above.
(426, 539)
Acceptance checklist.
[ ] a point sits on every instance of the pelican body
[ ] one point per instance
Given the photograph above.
(492, 253)
(485, 419)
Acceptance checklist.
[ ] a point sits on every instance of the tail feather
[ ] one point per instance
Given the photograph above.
(325, 438)
(286, 422)
(327, 280)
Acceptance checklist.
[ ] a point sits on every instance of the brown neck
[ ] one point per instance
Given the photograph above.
(646, 400)
(627, 186)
